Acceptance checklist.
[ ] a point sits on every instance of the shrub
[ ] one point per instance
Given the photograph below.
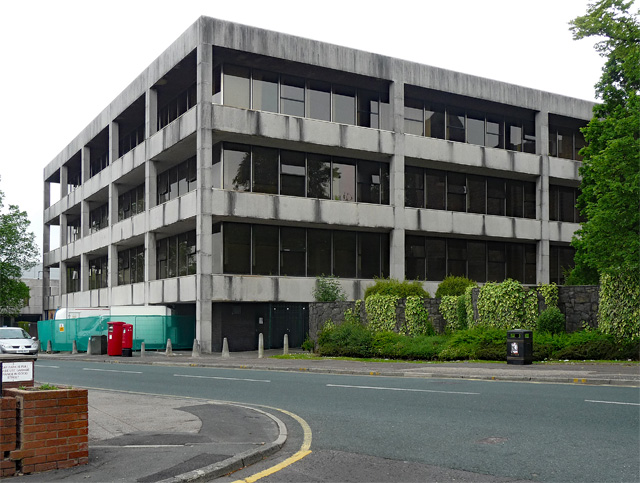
(507, 305)
(349, 339)
(461, 312)
(452, 285)
(483, 343)
(416, 318)
(448, 309)
(552, 321)
(619, 309)
(393, 287)
(328, 289)
(381, 312)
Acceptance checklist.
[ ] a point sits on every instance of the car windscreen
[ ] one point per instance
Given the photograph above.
(13, 333)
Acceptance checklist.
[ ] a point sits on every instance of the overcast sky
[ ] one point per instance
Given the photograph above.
(65, 61)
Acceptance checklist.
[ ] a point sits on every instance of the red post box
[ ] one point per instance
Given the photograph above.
(127, 340)
(114, 338)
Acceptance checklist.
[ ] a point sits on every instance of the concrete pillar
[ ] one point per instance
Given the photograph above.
(542, 196)
(114, 141)
(204, 237)
(149, 262)
(151, 185)
(63, 277)
(396, 181)
(84, 219)
(64, 181)
(151, 113)
(85, 160)
(63, 230)
(84, 273)
(47, 194)
(112, 273)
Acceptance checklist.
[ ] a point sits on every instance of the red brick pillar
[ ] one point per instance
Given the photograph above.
(8, 435)
(52, 429)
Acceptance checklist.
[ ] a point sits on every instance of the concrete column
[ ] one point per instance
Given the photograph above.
(396, 181)
(46, 291)
(47, 194)
(150, 259)
(542, 196)
(63, 230)
(84, 218)
(64, 181)
(204, 237)
(84, 273)
(85, 157)
(114, 141)
(151, 185)
(114, 192)
(112, 267)
(63, 278)
(151, 113)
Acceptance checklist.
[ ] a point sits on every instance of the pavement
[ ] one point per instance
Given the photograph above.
(149, 438)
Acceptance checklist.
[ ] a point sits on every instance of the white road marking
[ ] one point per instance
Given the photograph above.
(401, 389)
(110, 370)
(613, 402)
(222, 378)
(52, 367)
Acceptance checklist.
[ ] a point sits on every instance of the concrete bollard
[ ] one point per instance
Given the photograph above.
(260, 346)
(169, 349)
(225, 348)
(195, 352)
(285, 350)
(49, 349)
(142, 349)
(89, 352)
(74, 347)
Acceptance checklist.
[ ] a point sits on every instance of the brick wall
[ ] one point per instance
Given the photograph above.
(51, 428)
(8, 436)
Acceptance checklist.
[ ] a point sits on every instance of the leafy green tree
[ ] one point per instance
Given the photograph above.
(609, 239)
(18, 252)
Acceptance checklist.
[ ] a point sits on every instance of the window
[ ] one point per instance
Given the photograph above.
(476, 194)
(413, 117)
(176, 255)
(292, 96)
(237, 248)
(415, 258)
(131, 139)
(131, 203)
(369, 255)
(98, 162)
(265, 170)
(456, 192)
(99, 218)
(344, 254)
(177, 181)
(318, 253)
(265, 91)
(562, 204)
(515, 198)
(344, 179)
(293, 245)
(73, 278)
(177, 106)
(319, 176)
(73, 230)
(265, 250)
(436, 189)
(455, 125)
(496, 196)
(344, 105)
(560, 263)
(565, 137)
(237, 167)
(319, 94)
(292, 173)
(475, 128)
(131, 265)
(369, 182)
(237, 86)
(98, 273)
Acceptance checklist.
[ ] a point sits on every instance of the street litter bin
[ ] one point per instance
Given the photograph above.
(127, 340)
(114, 338)
(519, 346)
(98, 344)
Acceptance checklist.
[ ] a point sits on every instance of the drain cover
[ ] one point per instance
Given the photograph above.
(492, 440)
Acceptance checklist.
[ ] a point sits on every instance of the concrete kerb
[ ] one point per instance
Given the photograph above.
(239, 461)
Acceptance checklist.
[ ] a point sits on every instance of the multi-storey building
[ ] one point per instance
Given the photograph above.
(243, 163)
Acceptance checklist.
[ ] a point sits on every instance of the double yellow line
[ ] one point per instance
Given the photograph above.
(301, 453)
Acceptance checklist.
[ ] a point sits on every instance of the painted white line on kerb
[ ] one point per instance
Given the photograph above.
(223, 378)
(111, 370)
(50, 367)
(401, 389)
(613, 402)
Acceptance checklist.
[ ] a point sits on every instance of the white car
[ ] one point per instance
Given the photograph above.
(14, 340)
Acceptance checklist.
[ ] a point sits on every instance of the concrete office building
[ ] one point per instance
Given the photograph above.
(243, 163)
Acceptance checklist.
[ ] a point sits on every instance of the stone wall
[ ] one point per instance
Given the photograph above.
(578, 303)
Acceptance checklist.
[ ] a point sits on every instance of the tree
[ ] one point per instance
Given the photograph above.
(18, 252)
(609, 240)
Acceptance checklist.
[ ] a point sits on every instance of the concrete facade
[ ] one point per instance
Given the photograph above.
(173, 112)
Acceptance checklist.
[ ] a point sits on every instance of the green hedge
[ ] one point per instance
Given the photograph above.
(619, 308)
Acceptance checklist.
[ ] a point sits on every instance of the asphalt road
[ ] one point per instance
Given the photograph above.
(525, 431)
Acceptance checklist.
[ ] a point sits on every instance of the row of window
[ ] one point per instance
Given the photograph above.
(300, 252)
(176, 255)
(99, 218)
(131, 140)
(98, 162)
(434, 120)
(98, 270)
(562, 204)
(565, 142)
(431, 258)
(453, 191)
(131, 265)
(177, 181)
(294, 173)
(131, 203)
(560, 263)
(177, 106)
(267, 91)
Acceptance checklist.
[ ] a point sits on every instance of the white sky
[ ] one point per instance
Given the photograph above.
(65, 61)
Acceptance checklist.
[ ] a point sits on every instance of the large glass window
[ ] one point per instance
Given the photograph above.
(476, 194)
(414, 187)
(369, 255)
(177, 181)
(455, 125)
(436, 189)
(292, 173)
(131, 265)
(561, 262)
(319, 94)
(237, 167)
(293, 251)
(98, 273)
(434, 125)
(265, 91)
(319, 176)
(265, 250)
(237, 86)
(456, 191)
(436, 259)
(475, 128)
(131, 203)
(292, 96)
(319, 252)
(265, 170)
(99, 218)
(344, 254)
(344, 179)
(496, 196)
(176, 255)
(344, 105)
(237, 248)
(415, 258)
(413, 117)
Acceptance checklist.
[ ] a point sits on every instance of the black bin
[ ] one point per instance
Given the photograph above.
(519, 346)
(98, 344)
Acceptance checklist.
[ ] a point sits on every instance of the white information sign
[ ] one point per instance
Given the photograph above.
(17, 371)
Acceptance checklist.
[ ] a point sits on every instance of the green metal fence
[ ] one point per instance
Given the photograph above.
(153, 330)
